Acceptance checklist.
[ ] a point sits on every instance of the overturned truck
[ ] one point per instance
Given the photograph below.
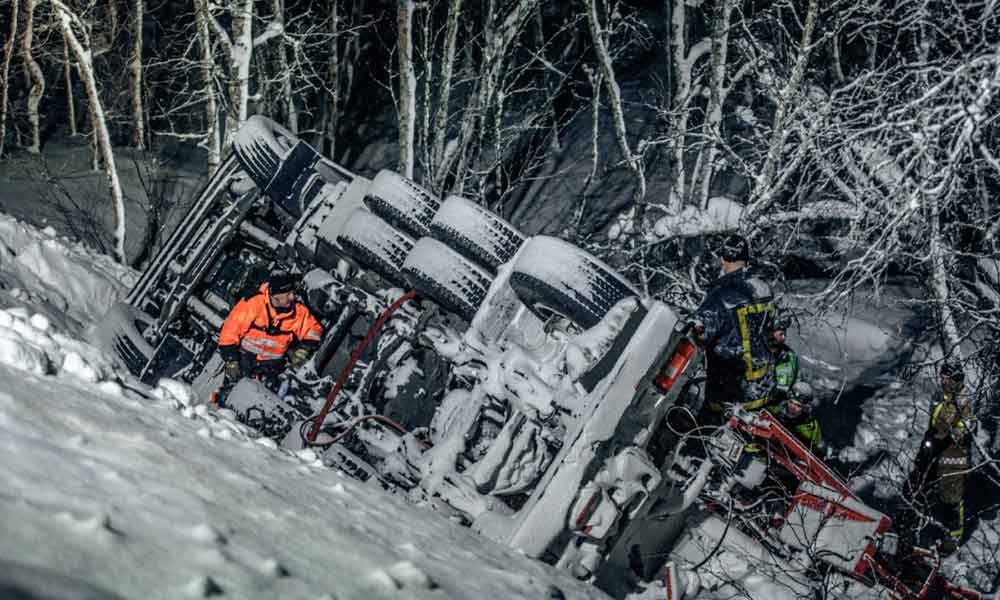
(517, 384)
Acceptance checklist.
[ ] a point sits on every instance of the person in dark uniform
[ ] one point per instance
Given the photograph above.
(733, 324)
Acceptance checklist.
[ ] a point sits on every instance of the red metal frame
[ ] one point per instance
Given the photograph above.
(793, 455)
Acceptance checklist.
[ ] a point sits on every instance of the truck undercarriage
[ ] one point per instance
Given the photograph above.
(523, 388)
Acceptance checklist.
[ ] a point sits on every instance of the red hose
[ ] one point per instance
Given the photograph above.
(350, 425)
(355, 356)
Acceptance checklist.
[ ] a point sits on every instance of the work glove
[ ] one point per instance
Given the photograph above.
(232, 370)
(299, 357)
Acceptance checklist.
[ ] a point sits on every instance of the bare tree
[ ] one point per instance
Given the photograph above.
(440, 132)
(135, 75)
(633, 160)
(212, 139)
(35, 74)
(716, 98)
(79, 43)
(68, 79)
(763, 188)
(8, 52)
(240, 46)
(407, 110)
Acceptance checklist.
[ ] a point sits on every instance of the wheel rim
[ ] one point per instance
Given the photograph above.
(552, 318)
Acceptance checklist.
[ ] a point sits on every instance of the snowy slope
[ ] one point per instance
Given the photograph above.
(69, 284)
(111, 490)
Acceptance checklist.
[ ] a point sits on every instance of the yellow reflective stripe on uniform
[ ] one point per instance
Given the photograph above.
(960, 531)
(312, 335)
(741, 314)
(756, 404)
(959, 420)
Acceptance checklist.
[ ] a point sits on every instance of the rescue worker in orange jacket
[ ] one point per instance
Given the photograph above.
(261, 328)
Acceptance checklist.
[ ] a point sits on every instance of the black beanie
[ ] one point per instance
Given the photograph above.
(953, 369)
(281, 282)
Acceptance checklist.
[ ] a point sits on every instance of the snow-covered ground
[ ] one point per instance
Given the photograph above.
(110, 489)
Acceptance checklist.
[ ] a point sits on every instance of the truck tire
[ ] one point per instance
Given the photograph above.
(402, 203)
(553, 276)
(261, 145)
(375, 245)
(446, 277)
(476, 232)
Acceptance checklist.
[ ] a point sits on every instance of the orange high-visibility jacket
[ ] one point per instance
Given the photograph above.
(254, 326)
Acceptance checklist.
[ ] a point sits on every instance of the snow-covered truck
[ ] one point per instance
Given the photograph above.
(528, 390)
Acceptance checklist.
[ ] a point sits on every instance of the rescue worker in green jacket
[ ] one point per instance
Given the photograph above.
(796, 414)
(942, 464)
(785, 371)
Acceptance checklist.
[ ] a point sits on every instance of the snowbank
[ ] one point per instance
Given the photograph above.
(68, 283)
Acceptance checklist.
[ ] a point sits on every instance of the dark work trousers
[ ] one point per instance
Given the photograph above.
(266, 371)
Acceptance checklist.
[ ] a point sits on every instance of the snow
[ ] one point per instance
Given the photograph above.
(112, 489)
(722, 214)
(62, 282)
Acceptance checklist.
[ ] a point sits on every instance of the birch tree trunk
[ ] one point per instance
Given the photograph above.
(135, 75)
(950, 341)
(682, 63)
(407, 88)
(35, 75)
(633, 161)
(939, 283)
(8, 52)
(716, 98)
(681, 71)
(444, 93)
(330, 114)
(68, 76)
(84, 65)
(763, 192)
(212, 141)
(240, 53)
(291, 114)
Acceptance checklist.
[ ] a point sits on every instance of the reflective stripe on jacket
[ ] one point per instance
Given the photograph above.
(256, 327)
(737, 316)
(951, 416)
